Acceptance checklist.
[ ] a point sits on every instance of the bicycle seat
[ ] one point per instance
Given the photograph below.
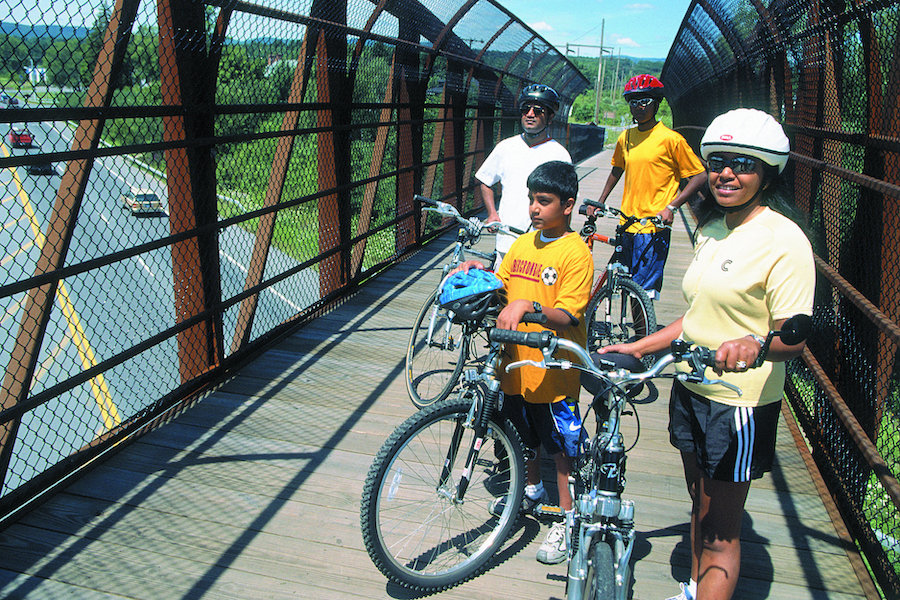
(611, 362)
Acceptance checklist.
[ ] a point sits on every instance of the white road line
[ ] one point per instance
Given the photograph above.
(143, 264)
(241, 267)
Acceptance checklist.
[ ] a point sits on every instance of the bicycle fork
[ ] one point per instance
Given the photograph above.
(478, 418)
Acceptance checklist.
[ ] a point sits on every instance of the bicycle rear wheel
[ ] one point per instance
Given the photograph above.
(434, 361)
(414, 528)
(619, 315)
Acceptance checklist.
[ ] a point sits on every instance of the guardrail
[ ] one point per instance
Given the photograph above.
(283, 146)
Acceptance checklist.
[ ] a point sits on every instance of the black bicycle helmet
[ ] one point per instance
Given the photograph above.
(470, 295)
(541, 94)
(644, 85)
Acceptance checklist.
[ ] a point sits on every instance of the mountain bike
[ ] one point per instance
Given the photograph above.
(424, 511)
(438, 348)
(600, 529)
(619, 310)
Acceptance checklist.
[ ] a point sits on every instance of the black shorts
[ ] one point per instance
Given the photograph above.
(557, 426)
(732, 443)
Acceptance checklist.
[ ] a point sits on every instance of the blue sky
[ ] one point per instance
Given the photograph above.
(641, 29)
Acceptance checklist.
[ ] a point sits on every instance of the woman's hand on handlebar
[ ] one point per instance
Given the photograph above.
(629, 348)
(736, 356)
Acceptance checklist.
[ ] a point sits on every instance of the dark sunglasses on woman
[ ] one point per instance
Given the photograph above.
(739, 164)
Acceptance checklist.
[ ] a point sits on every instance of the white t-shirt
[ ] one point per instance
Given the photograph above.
(511, 162)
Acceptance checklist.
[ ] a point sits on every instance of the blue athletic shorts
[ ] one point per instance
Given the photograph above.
(645, 256)
(732, 443)
(556, 427)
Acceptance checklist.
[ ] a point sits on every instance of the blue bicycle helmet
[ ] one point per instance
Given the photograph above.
(469, 295)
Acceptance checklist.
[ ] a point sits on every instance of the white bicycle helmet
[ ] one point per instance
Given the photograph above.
(747, 131)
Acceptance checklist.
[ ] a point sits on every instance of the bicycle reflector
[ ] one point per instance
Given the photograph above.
(469, 295)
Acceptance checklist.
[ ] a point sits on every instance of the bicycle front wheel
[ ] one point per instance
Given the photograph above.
(416, 529)
(435, 355)
(618, 315)
(600, 583)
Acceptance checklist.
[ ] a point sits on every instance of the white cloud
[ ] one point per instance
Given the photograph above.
(541, 26)
(626, 41)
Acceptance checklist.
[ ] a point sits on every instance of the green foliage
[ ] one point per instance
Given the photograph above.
(612, 109)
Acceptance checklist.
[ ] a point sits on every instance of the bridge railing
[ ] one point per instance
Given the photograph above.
(830, 72)
(203, 177)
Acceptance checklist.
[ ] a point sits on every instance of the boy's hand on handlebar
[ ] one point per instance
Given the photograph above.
(512, 313)
(736, 356)
(667, 216)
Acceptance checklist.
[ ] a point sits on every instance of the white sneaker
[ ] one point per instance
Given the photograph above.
(684, 595)
(528, 504)
(553, 550)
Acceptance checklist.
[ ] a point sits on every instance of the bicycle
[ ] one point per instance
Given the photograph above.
(619, 310)
(424, 510)
(438, 348)
(424, 513)
(600, 529)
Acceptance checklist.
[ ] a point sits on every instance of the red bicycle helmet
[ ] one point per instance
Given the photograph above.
(644, 85)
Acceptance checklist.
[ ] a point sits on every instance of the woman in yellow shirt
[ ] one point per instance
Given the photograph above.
(752, 269)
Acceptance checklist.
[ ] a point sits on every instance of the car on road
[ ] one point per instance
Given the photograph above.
(40, 169)
(141, 201)
(8, 100)
(20, 137)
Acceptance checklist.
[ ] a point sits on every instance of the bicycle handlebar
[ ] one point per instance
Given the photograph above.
(608, 211)
(473, 225)
(795, 330)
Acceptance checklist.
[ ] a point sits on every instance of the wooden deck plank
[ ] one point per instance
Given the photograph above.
(255, 491)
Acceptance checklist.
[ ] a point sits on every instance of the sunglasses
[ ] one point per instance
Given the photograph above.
(537, 108)
(739, 165)
(640, 102)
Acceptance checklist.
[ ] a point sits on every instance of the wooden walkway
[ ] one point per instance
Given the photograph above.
(254, 492)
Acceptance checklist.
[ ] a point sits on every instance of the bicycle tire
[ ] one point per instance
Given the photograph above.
(433, 366)
(620, 322)
(414, 531)
(600, 583)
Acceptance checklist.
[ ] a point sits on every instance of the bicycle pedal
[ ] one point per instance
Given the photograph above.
(548, 510)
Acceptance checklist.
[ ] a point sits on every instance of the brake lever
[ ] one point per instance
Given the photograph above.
(702, 380)
(522, 363)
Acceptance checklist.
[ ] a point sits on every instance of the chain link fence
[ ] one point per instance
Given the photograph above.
(829, 72)
(184, 182)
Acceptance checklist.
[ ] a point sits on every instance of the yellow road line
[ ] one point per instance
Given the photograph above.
(12, 256)
(12, 309)
(108, 409)
(12, 223)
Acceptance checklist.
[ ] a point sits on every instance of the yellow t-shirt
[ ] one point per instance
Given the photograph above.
(654, 161)
(557, 274)
(741, 281)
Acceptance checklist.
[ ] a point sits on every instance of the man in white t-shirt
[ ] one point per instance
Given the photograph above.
(513, 159)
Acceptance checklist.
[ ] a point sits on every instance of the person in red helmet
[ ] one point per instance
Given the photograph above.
(654, 160)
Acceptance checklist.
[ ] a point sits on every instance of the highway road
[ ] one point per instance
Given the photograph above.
(103, 312)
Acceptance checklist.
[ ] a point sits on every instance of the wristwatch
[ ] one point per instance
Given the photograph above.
(759, 357)
(537, 307)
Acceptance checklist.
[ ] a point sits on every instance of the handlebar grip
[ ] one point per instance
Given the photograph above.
(706, 356)
(515, 230)
(594, 203)
(425, 200)
(534, 339)
(539, 318)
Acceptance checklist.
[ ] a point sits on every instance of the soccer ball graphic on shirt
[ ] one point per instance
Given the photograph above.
(549, 275)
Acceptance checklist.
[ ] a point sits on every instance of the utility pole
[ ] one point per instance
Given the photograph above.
(599, 89)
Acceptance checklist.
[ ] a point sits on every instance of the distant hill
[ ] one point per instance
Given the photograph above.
(39, 31)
